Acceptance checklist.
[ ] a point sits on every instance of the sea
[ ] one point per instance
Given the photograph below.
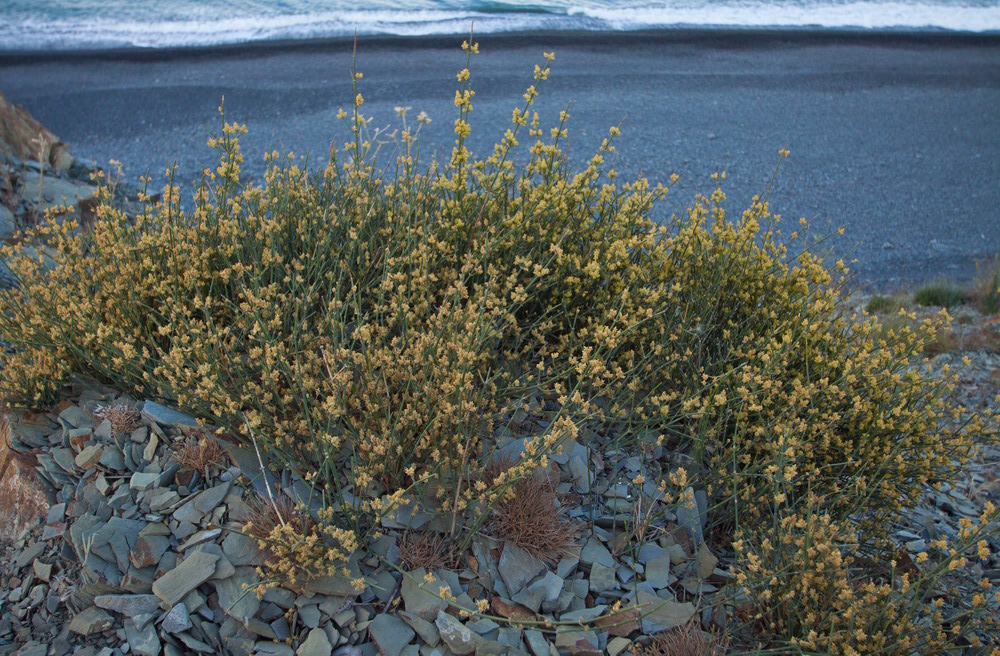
(68, 25)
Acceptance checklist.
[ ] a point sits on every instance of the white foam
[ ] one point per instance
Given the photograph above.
(864, 15)
(204, 28)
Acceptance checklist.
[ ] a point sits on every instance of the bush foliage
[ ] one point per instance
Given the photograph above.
(374, 327)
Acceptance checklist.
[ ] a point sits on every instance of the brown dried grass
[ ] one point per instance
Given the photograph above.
(529, 518)
(22, 502)
(123, 417)
(687, 640)
(201, 454)
(264, 515)
(428, 550)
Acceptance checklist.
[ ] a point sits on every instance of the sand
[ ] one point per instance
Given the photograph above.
(895, 137)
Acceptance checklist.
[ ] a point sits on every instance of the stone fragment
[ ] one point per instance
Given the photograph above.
(192, 572)
(617, 646)
(43, 571)
(426, 630)
(421, 598)
(658, 570)
(149, 451)
(273, 649)
(661, 614)
(75, 416)
(209, 499)
(602, 579)
(705, 561)
(148, 550)
(595, 552)
(517, 567)
(29, 554)
(129, 605)
(234, 597)
(537, 643)
(188, 512)
(316, 644)
(176, 620)
(241, 549)
(142, 481)
(112, 458)
(390, 634)
(89, 457)
(90, 621)
(578, 643)
(167, 417)
(689, 516)
(142, 641)
(457, 637)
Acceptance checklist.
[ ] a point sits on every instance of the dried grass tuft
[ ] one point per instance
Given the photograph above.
(687, 640)
(529, 517)
(428, 550)
(123, 417)
(264, 515)
(201, 454)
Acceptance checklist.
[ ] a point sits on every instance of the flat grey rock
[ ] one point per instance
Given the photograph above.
(210, 499)
(141, 481)
(316, 644)
(602, 579)
(241, 549)
(176, 620)
(661, 614)
(192, 572)
(273, 649)
(421, 598)
(426, 630)
(129, 605)
(658, 570)
(142, 641)
(90, 621)
(235, 597)
(167, 417)
(390, 634)
(458, 638)
(595, 552)
(517, 567)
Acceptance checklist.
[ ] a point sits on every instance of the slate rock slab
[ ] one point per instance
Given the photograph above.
(419, 597)
(316, 644)
(192, 572)
(517, 567)
(90, 621)
(390, 634)
(129, 605)
(457, 637)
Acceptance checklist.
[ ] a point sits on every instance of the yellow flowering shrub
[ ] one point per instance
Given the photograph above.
(372, 325)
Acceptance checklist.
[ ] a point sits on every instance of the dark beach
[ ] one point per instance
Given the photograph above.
(894, 136)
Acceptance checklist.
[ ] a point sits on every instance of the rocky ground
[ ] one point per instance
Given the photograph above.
(142, 553)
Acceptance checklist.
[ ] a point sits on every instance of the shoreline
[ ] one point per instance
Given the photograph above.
(892, 136)
(722, 37)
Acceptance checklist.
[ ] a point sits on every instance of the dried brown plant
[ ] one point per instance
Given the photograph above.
(124, 418)
(529, 517)
(264, 515)
(686, 640)
(201, 454)
(428, 550)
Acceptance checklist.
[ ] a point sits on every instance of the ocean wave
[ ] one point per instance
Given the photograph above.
(36, 31)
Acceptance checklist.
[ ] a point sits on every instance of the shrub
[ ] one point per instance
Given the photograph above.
(377, 327)
(938, 295)
(879, 304)
(986, 288)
